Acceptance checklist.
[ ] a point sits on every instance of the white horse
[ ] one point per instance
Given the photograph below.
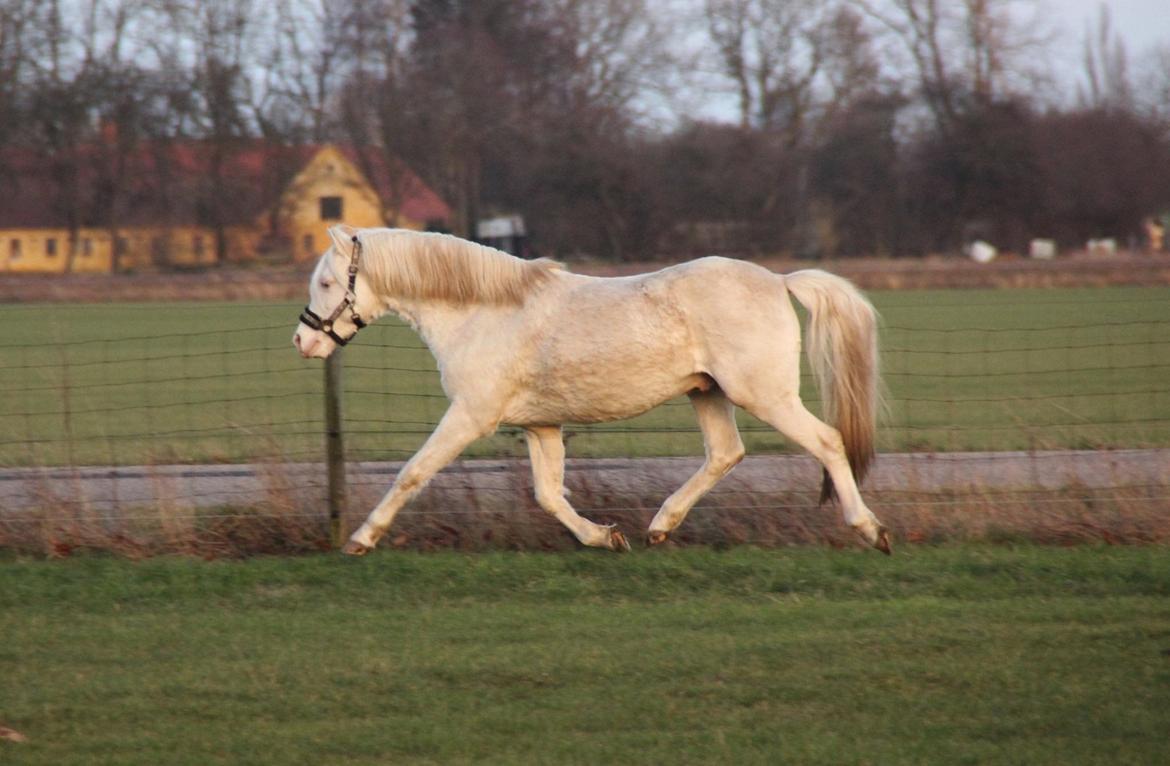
(530, 344)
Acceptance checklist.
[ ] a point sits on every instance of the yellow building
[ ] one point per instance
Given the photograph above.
(172, 212)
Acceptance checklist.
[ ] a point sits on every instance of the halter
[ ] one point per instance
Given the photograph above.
(348, 302)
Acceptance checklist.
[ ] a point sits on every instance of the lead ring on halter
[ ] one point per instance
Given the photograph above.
(310, 318)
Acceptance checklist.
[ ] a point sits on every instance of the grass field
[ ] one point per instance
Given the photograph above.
(185, 382)
(943, 655)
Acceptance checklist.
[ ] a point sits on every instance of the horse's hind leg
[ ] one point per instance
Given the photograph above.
(791, 418)
(547, 450)
(724, 448)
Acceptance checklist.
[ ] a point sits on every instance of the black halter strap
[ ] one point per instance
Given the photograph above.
(310, 318)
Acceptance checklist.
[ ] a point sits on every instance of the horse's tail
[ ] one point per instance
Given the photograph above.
(841, 343)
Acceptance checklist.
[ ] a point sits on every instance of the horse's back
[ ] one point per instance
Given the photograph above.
(609, 348)
(683, 307)
(730, 300)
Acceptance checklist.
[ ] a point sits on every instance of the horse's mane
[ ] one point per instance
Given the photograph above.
(432, 266)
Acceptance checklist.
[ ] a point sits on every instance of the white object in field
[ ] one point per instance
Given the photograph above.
(1043, 249)
(503, 226)
(982, 252)
(1103, 247)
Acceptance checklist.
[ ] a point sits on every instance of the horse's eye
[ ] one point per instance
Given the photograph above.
(326, 284)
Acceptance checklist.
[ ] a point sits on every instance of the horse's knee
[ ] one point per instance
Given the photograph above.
(831, 441)
(722, 460)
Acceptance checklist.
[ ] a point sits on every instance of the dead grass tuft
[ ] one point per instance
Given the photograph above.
(499, 514)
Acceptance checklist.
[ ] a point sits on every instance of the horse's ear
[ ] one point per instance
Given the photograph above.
(342, 235)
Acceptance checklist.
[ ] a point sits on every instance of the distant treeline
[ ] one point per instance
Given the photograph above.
(626, 129)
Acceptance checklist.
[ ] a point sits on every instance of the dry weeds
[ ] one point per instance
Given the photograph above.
(467, 518)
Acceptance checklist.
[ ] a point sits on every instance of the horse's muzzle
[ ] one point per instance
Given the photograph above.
(306, 343)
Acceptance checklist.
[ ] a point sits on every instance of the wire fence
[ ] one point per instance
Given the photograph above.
(119, 414)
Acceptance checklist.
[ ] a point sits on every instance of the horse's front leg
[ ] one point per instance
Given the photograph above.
(458, 428)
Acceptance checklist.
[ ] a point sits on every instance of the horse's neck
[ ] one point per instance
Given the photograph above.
(441, 319)
(436, 322)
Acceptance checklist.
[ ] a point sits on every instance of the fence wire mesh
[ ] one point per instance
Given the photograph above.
(126, 414)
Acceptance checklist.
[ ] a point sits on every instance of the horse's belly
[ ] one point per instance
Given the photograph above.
(598, 397)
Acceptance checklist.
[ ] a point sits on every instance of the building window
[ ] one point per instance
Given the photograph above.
(307, 244)
(86, 247)
(330, 208)
(121, 246)
(197, 245)
(51, 247)
(14, 249)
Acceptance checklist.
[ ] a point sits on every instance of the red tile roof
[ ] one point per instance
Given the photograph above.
(173, 182)
(397, 186)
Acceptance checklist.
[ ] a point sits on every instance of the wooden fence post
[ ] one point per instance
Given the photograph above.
(334, 445)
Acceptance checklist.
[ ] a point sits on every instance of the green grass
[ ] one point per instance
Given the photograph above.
(185, 382)
(941, 655)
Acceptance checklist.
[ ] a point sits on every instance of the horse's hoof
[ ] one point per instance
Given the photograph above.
(11, 735)
(657, 538)
(618, 542)
(354, 548)
(883, 541)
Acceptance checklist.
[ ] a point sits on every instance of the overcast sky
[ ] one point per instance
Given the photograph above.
(1141, 23)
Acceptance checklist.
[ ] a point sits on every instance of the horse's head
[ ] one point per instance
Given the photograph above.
(338, 297)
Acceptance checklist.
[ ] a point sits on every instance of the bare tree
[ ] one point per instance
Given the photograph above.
(1153, 94)
(373, 102)
(920, 26)
(305, 66)
(58, 103)
(852, 70)
(619, 49)
(773, 52)
(986, 26)
(967, 53)
(17, 17)
(1107, 75)
(210, 46)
